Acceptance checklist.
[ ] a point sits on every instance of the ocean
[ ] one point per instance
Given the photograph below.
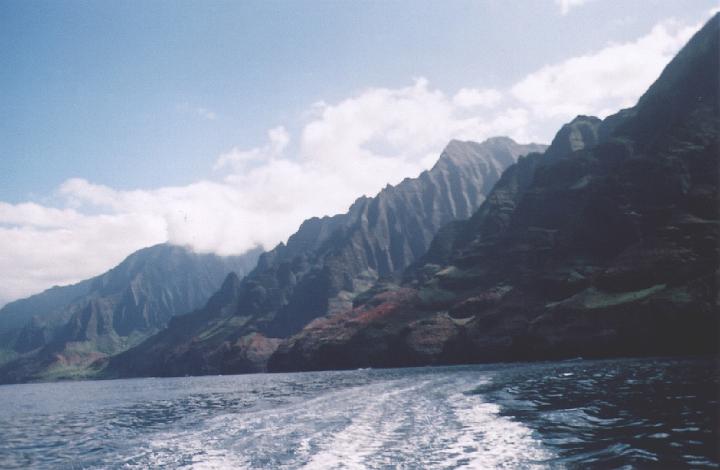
(621, 413)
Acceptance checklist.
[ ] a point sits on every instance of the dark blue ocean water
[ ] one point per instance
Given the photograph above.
(631, 413)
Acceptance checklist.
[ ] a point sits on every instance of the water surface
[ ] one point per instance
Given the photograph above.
(631, 413)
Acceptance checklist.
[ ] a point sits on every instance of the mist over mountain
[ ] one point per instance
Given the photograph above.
(325, 265)
(59, 332)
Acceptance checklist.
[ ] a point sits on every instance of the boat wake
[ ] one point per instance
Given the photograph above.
(418, 422)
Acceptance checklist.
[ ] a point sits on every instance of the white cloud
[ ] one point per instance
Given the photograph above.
(341, 151)
(278, 139)
(603, 81)
(473, 98)
(345, 150)
(567, 5)
(29, 213)
(67, 247)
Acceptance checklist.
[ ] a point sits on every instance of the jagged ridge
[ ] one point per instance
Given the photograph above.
(324, 266)
(605, 245)
(59, 332)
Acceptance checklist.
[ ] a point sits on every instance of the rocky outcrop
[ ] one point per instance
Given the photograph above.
(325, 265)
(67, 328)
(605, 245)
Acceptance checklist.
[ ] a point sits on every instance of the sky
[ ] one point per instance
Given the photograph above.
(223, 125)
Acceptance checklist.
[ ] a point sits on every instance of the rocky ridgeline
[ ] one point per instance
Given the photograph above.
(325, 265)
(58, 333)
(606, 244)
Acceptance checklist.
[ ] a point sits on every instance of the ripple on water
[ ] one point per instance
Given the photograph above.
(620, 414)
(407, 423)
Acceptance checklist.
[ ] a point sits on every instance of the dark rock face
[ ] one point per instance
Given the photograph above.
(379, 237)
(41, 308)
(326, 264)
(70, 327)
(605, 245)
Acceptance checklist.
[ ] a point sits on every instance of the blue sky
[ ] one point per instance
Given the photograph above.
(121, 118)
(106, 90)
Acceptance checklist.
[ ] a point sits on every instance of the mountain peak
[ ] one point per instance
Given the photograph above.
(499, 152)
(329, 261)
(582, 132)
(460, 147)
(105, 314)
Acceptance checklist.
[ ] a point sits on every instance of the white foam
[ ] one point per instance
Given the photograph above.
(414, 422)
(489, 440)
(364, 436)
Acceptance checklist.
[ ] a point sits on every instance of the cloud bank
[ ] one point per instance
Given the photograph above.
(342, 151)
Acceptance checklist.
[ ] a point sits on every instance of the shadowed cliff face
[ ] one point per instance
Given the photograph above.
(379, 237)
(324, 266)
(605, 245)
(58, 332)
